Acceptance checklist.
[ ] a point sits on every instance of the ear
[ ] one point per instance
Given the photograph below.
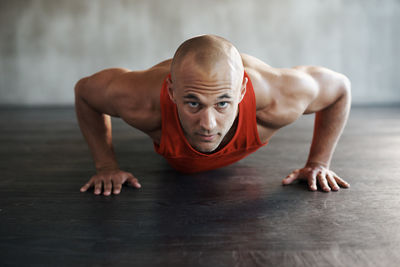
(170, 89)
(243, 89)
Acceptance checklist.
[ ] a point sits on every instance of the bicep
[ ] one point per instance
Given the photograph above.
(329, 87)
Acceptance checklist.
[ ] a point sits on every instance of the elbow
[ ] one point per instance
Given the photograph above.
(345, 87)
(79, 86)
(79, 89)
(346, 94)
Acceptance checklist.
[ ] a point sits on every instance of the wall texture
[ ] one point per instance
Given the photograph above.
(47, 45)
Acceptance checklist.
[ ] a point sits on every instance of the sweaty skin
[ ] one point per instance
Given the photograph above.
(207, 85)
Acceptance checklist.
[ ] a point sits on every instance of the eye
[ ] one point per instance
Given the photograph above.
(223, 104)
(193, 104)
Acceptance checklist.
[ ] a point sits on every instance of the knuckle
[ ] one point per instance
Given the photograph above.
(339, 179)
(132, 179)
(118, 181)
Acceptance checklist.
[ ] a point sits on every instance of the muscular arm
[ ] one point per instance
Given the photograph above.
(94, 107)
(332, 106)
(93, 113)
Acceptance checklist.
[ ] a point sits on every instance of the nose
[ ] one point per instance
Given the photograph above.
(208, 121)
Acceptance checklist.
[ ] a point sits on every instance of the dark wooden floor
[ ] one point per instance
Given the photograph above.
(236, 216)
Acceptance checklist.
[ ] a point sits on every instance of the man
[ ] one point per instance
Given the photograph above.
(210, 106)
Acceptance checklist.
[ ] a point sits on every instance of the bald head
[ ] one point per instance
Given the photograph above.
(207, 85)
(209, 54)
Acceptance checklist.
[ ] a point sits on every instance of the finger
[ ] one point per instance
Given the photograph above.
(117, 188)
(86, 186)
(312, 181)
(340, 181)
(291, 177)
(107, 187)
(332, 182)
(323, 182)
(133, 182)
(97, 187)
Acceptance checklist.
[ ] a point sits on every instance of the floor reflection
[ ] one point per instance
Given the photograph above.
(229, 207)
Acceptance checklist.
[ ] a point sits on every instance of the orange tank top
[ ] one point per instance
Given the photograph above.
(175, 148)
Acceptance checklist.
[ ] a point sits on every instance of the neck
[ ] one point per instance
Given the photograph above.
(228, 137)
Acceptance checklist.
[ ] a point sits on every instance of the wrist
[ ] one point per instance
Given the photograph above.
(313, 163)
(107, 167)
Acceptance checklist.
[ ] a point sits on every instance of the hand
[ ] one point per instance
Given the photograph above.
(110, 178)
(327, 179)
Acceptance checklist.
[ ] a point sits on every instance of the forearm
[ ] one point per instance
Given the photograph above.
(96, 128)
(328, 127)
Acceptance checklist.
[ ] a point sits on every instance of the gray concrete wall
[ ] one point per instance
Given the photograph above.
(47, 45)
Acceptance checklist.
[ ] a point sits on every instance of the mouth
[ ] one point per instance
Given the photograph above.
(207, 137)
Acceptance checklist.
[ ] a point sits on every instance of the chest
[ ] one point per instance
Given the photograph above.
(265, 133)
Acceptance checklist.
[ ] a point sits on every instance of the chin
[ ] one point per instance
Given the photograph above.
(209, 148)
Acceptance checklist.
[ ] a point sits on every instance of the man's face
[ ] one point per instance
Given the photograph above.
(207, 104)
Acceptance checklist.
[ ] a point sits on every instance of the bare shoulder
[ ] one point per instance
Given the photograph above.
(253, 62)
(329, 86)
(284, 94)
(261, 76)
(279, 92)
(94, 89)
(136, 96)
